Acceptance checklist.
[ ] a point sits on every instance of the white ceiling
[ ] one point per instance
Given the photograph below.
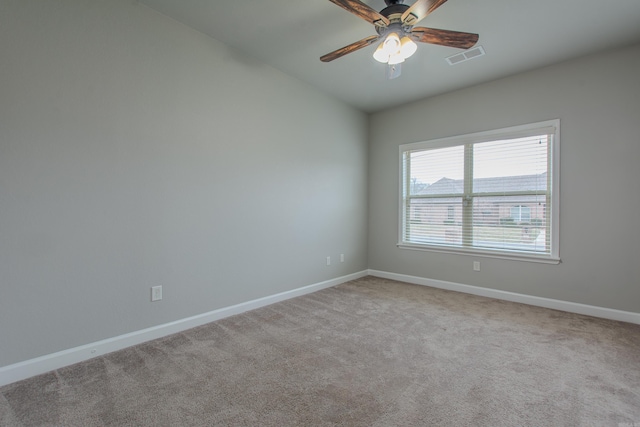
(517, 35)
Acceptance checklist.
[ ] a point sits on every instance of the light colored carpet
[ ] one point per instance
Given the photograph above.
(371, 352)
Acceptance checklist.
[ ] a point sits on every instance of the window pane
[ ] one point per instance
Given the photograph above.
(437, 171)
(435, 221)
(510, 165)
(515, 223)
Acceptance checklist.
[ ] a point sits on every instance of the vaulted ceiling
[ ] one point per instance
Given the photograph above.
(517, 35)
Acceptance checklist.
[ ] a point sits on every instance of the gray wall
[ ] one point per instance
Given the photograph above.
(137, 152)
(597, 99)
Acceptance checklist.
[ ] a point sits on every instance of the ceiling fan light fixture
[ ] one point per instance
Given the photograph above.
(408, 47)
(391, 49)
(380, 54)
(392, 44)
(396, 59)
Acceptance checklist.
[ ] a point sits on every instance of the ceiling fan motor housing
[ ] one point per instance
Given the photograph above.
(394, 9)
(393, 12)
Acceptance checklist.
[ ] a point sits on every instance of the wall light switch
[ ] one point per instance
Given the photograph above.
(476, 265)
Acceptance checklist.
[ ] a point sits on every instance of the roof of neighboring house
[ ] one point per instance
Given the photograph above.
(445, 185)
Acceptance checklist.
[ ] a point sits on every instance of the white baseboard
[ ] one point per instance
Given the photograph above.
(50, 362)
(571, 307)
(40, 365)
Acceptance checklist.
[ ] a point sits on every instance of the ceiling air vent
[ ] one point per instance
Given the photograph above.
(474, 52)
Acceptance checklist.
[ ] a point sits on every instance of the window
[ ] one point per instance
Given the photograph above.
(521, 213)
(451, 210)
(492, 193)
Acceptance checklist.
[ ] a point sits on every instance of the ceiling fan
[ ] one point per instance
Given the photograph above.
(395, 26)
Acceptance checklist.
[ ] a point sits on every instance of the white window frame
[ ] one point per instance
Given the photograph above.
(551, 127)
(520, 210)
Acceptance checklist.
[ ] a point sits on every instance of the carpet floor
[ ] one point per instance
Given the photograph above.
(370, 352)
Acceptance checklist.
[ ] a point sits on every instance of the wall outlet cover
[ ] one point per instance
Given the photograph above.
(156, 293)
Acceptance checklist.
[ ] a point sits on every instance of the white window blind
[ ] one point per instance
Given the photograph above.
(492, 193)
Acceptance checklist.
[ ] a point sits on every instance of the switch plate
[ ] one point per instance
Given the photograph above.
(156, 293)
(328, 260)
(341, 257)
(476, 265)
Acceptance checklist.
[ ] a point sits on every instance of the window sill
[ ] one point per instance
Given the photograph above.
(482, 253)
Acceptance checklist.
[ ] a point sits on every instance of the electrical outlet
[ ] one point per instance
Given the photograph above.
(476, 265)
(156, 293)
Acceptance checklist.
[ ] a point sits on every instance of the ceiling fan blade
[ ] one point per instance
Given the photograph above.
(363, 11)
(350, 48)
(444, 37)
(419, 10)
